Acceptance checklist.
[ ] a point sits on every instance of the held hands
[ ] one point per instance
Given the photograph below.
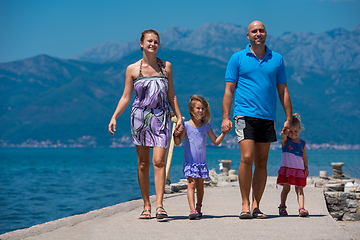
(112, 126)
(226, 126)
(285, 131)
(286, 127)
(178, 128)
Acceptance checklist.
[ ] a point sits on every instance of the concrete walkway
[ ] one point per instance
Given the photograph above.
(221, 210)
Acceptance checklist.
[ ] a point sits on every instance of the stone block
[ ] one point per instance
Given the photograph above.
(335, 186)
(332, 201)
(168, 189)
(337, 215)
(176, 187)
(349, 216)
(233, 178)
(352, 210)
(183, 180)
(351, 203)
(357, 216)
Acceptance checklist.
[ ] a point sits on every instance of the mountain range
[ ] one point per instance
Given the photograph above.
(48, 98)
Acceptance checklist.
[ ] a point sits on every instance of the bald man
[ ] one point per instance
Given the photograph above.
(254, 77)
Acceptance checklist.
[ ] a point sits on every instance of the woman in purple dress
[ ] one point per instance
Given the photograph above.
(152, 82)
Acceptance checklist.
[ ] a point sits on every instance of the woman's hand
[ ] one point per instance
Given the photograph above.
(112, 126)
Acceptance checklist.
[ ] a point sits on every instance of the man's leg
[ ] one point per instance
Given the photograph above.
(260, 172)
(247, 148)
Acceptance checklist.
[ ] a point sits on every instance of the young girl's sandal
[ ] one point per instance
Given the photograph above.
(198, 208)
(193, 214)
(145, 215)
(282, 210)
(303, 212)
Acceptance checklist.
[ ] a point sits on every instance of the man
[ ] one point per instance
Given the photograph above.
(254, 75)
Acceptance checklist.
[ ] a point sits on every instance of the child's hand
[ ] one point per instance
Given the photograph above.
(226, 126)
(287, 125)
(285, 131)
(307, 171)
(178, 128)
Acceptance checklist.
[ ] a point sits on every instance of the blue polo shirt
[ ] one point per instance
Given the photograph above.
(256, 82)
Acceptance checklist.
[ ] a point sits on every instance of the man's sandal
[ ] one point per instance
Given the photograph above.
(193, 214)
(303, 212)
(198, 208)
(145, 215)
(282, 211)
(161, 213)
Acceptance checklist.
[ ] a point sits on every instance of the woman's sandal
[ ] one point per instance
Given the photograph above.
(145, 215)
(193, 214)
(245, 215)
(282, 210)
(258, 214)
(198, 208)
(303, 212)
(161, 213)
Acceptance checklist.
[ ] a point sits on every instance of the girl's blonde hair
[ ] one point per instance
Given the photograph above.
(197, 98)
(297, 121)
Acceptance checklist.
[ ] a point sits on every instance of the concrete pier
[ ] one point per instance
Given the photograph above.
(221, 208)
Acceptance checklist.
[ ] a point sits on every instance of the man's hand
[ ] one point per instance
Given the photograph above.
(226, 126)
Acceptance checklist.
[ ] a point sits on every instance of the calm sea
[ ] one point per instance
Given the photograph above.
(41, 185)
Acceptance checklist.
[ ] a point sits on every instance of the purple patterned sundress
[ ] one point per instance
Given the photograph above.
(150, 114)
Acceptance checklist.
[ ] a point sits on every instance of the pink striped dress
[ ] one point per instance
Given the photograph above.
(292, 170)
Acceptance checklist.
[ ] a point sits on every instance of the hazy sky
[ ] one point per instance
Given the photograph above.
(65, 28)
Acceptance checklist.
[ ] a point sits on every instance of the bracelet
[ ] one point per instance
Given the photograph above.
(306, 166)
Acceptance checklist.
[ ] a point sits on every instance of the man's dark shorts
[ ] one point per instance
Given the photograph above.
(257, 129)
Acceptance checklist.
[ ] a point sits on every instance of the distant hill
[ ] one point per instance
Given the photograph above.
(57, 99)
(337, 49)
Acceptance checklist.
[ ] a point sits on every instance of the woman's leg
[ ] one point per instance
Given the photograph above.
(191, 193)
(159, 174)
(284, 193)
(143, 154)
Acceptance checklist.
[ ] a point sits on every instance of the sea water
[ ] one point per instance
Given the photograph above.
(41, 185)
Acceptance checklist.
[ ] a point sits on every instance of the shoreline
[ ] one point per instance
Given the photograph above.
(173, 201)
(30, 143)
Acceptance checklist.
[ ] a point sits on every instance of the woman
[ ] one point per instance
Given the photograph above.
(152, 81)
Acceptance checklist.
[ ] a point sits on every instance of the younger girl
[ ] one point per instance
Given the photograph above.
(294, 166)
(195, 168)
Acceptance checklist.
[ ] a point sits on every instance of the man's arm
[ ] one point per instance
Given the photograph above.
(226, 125)
(285, 100)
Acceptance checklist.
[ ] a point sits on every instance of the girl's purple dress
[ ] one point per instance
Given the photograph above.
(150, 114)
(195, 151)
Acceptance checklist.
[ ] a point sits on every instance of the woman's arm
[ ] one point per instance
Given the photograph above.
(125, 98)
(172, 99)
(214, 139)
